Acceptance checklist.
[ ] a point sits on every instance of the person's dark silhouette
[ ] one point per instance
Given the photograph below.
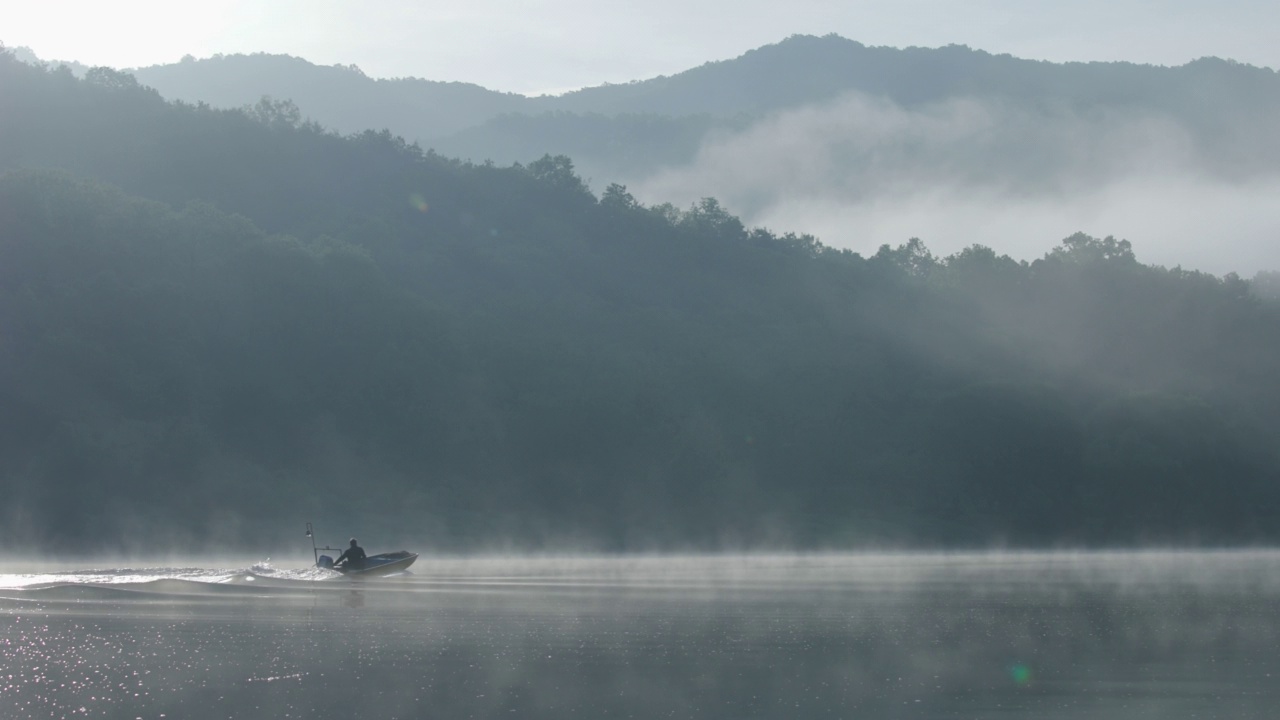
(352, 557)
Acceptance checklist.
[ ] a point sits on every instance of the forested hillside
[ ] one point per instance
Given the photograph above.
(222, 323)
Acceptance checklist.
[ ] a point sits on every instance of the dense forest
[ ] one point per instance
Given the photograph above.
(216, 324)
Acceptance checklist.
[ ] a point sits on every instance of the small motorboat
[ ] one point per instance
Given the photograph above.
(371, 566)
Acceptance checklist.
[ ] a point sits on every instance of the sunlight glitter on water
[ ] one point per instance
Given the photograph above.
(130, 576)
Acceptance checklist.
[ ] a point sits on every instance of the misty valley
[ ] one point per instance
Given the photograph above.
(646, 456)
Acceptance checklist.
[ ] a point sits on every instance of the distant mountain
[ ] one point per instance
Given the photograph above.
(605, 148)
(630, 132)
(1227, 110)
(803, 70)
(798, 71)
(27, 55)
(339, 97)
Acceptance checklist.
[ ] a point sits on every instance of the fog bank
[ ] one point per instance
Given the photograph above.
(861, 172)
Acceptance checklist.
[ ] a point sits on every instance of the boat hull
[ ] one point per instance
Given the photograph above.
(378, 565)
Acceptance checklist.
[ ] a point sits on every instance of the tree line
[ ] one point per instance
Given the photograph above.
(229, 321)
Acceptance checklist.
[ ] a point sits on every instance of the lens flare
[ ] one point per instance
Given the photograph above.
(1020, 673)
(419, 203)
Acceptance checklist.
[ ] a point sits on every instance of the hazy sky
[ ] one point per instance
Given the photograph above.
(534, 46)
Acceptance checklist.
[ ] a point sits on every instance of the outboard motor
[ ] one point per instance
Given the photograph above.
(325, 562)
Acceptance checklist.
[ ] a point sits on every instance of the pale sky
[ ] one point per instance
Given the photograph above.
(535, 46)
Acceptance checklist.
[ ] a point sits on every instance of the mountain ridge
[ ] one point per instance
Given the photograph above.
(629, 132)
(221, 319)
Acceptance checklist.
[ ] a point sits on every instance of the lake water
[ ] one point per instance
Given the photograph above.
(1108, 635)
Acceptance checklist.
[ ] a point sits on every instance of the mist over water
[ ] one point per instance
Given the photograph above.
(1058, 635)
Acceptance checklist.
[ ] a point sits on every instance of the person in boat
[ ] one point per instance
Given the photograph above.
(352, 557)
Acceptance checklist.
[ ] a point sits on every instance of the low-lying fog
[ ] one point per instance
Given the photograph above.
(861, 172)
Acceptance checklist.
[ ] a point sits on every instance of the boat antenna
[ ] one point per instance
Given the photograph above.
(315, 553)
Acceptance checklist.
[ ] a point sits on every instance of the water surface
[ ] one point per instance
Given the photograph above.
(1107, 635)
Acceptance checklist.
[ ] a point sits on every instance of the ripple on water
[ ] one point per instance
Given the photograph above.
(930, 636)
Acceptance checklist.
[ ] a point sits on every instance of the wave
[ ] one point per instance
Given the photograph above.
(126, 582)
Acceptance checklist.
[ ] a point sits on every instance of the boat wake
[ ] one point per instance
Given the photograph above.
(170, 580)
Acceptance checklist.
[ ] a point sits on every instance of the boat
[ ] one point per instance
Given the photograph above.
(372, 566)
